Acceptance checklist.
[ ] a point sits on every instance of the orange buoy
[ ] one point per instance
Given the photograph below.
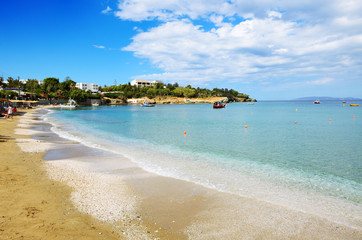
(295, 122)
(184, 132)
(251, 112)
(354, 117)
(220, 115)
(246, 126)
(182, 116)
(330, 120)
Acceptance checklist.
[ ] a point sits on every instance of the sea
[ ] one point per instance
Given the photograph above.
(299, 155)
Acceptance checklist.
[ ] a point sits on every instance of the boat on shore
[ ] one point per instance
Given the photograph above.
(219, 105)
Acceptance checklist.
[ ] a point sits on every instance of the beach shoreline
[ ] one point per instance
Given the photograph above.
(167, 208)
(32, 205)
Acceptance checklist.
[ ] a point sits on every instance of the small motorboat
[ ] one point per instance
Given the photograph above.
(70, 105)
(354, 105)
(219, 105)
(316, 102)
(147, 104)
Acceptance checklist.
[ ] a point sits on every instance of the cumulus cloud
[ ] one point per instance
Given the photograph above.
(249, 40)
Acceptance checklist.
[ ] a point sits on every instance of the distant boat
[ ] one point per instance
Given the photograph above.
(71, 104)
(344, 102)
(354, 105)
(147, 104)
(219, 105)
(316, 102)
(95, 104)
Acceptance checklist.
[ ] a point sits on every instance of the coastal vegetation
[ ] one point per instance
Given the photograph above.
(53, 89)
(126, 91)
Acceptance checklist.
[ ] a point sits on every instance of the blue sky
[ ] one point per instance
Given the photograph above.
(267, 49)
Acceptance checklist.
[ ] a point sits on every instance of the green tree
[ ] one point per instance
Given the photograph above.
(170, 86)
(10, 94)
(50, 85)
(2, 94)
(31, 85)
(178, 92)
(78, 95)
(159, 85)
(10, 81)
(189, 92)
(151, 92)
(67, 85)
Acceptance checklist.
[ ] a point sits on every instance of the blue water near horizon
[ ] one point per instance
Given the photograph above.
(320, 153)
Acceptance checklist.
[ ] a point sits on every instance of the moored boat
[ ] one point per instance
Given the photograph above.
(316, 102)
(354, 105)
(71, 104)
(219, 105)
(147, 104)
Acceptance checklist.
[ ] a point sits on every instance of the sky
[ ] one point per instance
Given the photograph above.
(269, 49)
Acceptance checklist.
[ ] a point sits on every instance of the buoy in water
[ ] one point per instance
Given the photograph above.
(295, 122)
(246, 126)
(184, 132)
(354, 117)
(330, 120)
(296, 110)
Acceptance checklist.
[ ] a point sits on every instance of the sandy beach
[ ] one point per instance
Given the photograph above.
(32, 205)
(63, 197)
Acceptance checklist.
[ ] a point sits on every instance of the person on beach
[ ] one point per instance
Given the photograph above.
(10, 112)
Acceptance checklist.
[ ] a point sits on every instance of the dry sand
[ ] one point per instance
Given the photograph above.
(133, 204)
(33, 206)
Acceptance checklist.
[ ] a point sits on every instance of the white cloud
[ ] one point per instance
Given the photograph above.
(99, 46)
(107, 10)
(138, 10)
(274, 14)
(288, 38)
(322, 81)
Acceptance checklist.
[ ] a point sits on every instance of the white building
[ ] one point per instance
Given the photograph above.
(88, 86)
(144, 83)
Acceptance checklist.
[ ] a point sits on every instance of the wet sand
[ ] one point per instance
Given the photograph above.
(129, 202)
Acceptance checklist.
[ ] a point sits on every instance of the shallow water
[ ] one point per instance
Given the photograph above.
(273, 159)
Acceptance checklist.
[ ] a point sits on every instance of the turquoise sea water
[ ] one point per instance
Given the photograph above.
(319, 154)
